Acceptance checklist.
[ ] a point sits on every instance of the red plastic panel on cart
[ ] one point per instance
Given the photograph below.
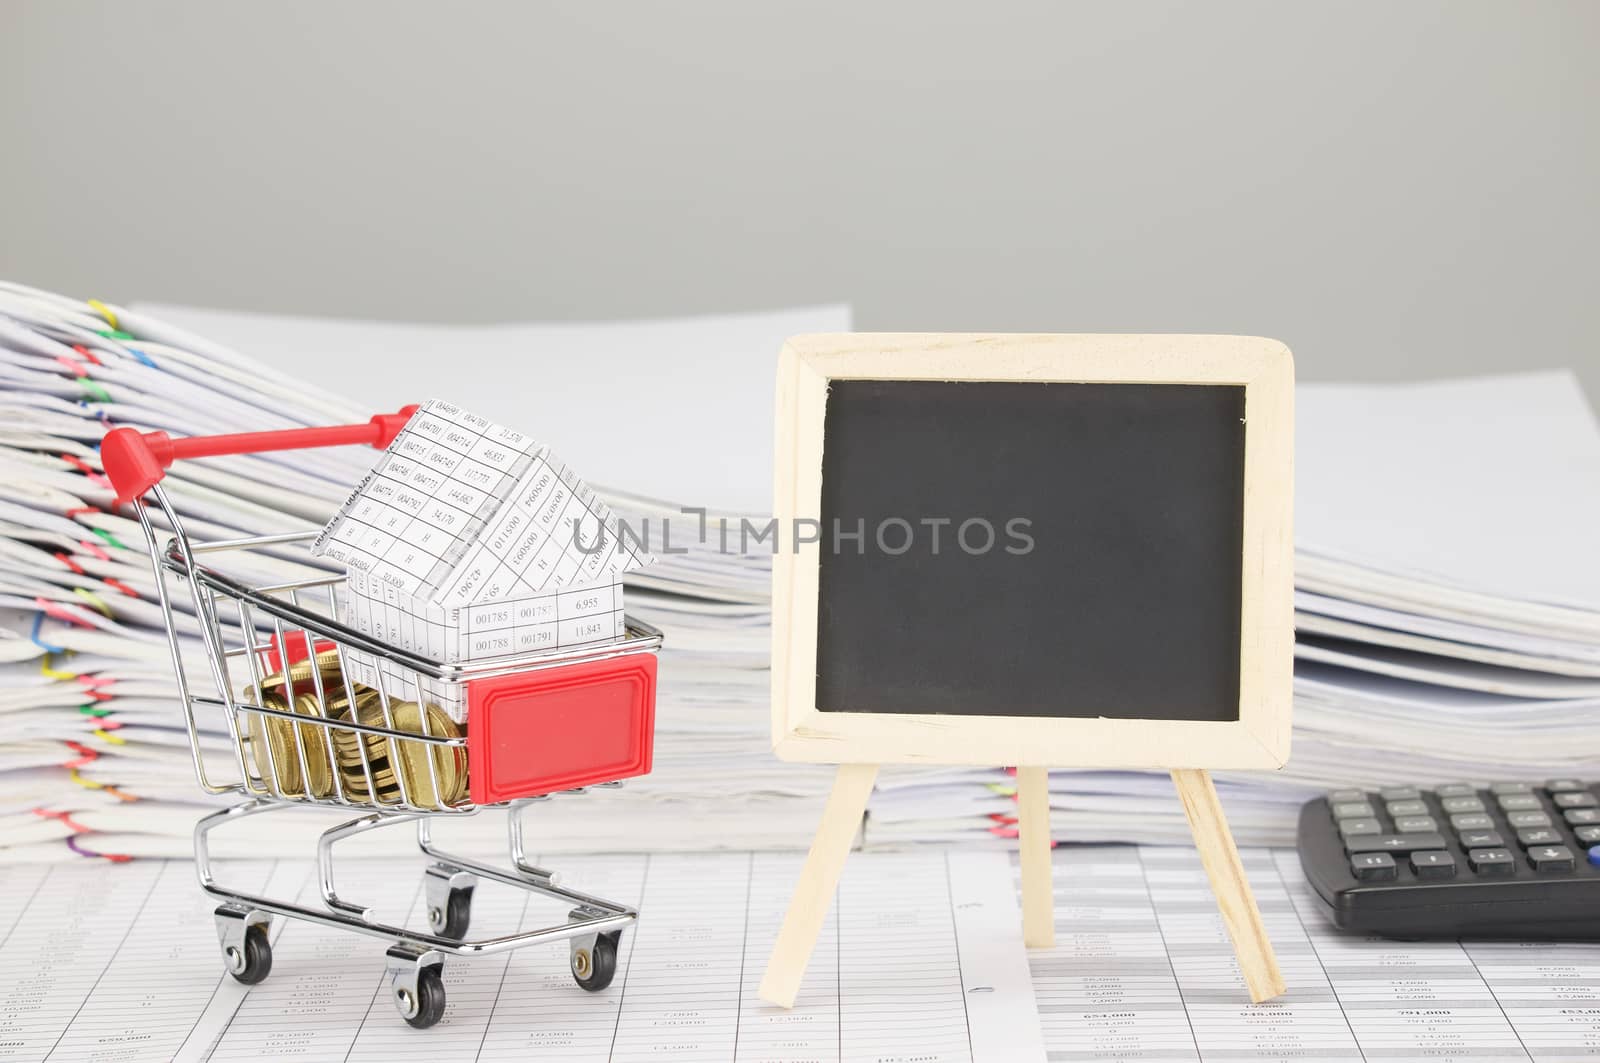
(296, 641)
(557, 728)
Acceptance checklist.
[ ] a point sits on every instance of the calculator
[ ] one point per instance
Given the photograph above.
(1507, 860)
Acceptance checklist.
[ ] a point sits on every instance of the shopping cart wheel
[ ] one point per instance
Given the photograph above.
(453, 921)
(246, 950)
(424, 1005)
(416, 984)
(449, 896)
(251, 960)
(594, 960)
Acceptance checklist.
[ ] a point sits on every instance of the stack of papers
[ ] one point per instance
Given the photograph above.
(1448, 600)
(96, 756)
(89, 718)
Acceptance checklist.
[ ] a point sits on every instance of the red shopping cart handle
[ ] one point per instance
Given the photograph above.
(136, 461)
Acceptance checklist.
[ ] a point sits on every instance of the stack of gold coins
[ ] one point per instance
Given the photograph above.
(272, 740)
(386, 756)
(274, 750)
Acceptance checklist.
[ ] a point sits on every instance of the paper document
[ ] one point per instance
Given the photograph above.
(921, 959)
(1142, 970)
(687, 401)
(464, 512)
(1486, 484)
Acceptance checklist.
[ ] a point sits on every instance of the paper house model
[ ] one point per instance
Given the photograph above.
(469, 542)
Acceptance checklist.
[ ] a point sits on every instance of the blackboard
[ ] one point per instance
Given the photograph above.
(1120, 596)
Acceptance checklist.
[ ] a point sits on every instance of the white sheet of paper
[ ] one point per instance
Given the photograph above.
(1142, 970)
(1490, 483)
(460, 511)
(921, 959)
(687, 401)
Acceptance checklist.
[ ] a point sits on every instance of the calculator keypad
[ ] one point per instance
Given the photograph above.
(1457, 831)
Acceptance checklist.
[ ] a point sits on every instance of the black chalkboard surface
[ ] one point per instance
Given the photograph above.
(1031, 549)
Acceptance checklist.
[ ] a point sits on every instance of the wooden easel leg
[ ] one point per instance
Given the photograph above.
(1221, 861)
(1033, 838)
(813, 894)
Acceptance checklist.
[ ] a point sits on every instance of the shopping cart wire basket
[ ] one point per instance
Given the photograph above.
(302, 731)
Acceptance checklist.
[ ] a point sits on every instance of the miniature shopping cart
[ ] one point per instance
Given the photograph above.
(301, 731)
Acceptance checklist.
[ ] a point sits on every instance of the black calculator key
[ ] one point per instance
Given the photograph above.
(1538, 836)
(1520, 803)
(1414, 824)
(1337, 796)
(1472, 821)
(1481, 839)
(1492, 861)
(1588, 835)
(1350, 828)
(1407, 808)
(1435, 863)
(1551, 858)
(1462, 804)
(1373, 867)
(1528, 819)
(1352, 810)
(1400, 793)
(1393, 843)
(1561, 786)
(1575, 799)
(1500, 789)
(1581, 817)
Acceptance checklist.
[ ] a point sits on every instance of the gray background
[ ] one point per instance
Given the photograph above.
(1395, 189)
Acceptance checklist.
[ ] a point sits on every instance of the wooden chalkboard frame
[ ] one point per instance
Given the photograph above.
(1259, 738)
(858, 742)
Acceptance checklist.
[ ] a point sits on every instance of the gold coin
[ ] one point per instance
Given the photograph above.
(256, 728)
(273, 747)
(385, 755)
(300, 677)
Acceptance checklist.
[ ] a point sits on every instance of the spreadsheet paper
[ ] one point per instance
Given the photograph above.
(1143, 970)
(459, 511)
(921, 959)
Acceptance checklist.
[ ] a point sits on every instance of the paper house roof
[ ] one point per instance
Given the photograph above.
(459, 511)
